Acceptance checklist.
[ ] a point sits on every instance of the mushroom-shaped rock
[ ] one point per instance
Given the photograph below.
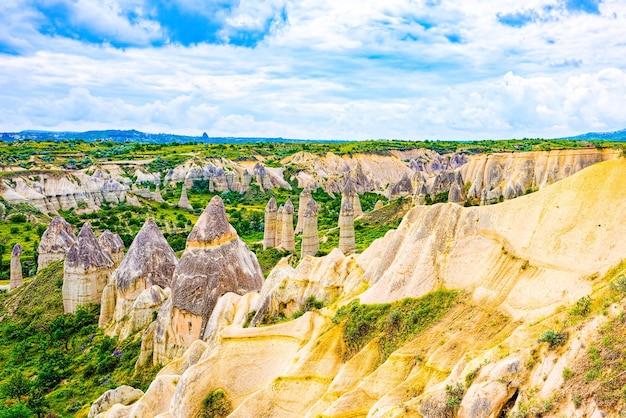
(113, 245)
(16, 267)
(86, 271)
(310, 236)
(287, 232)
(55, 242)
(346, 228)
(269, 231)
(305, 196)
(150, 261)
(215, 261)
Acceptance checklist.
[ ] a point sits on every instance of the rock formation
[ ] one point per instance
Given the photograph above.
(113, 245)
(215, 261)
(287, 241)
(310, 234)
(346, 228)
(16, 267)
(349, 192)
(55, 242)
(183, 202)
(457, 190)
(378, 205)
(269, 229)
(279, 226)
(402, 188)
(136, 288)
(86, 271)
(305, 196)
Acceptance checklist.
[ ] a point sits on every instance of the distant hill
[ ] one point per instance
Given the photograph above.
(615, 136)
(129, 136)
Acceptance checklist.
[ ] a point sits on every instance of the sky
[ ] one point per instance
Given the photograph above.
(323, 69)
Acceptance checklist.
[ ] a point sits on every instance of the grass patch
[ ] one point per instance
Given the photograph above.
(393, 324)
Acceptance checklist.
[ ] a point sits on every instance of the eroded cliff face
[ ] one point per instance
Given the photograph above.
(516, 263)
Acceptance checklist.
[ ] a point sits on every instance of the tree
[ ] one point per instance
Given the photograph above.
(17, 386)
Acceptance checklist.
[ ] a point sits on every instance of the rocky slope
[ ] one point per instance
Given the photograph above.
(516, 262)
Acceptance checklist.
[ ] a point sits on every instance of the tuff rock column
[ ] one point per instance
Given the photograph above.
(279, 226)
(269, 230)
(346, 228)
(305, 196)
(16, 267)
(310, 236)
(183, 202)
(287, 233)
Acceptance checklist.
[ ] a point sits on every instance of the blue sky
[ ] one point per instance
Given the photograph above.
(324, 69)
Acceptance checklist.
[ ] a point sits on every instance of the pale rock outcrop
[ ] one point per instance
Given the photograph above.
(156, 196)
(55, 242)
(138, 283)
(402, 188)
(287, 241)
(263, 179)
(346, 228)
(310, 234)
(183, 202)
(269, 228)
(16, 267)
(304, 198)
(349, 192)
(86, 271)
(379, 205)
(279, 226)
(215, 261)
(113, 245)
(457, 190)
(124, 395)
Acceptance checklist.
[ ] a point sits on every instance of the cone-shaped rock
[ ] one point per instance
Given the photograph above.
(156, 196)
(457, 191)
(269, 231)
(183, 202)
(279, 226)
(310, 236)
(86, 271)
(349, 192)
(378, 205)
(16, 267)
(287, 233)
(305, 196)
(402, 188)
(215, 261)
(346, 228)
(150, 261)
(56, 241)
(113, 245)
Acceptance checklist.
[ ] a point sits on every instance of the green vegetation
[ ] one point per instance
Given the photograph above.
(454, 395)
(553, 338)
(391, 324)
(53, 362)
(216, 405)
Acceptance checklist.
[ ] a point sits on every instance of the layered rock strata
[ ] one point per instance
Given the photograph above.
(287, 241)
(138, 286)
(55, 242)
(215, 261)
(310, 234)
(16, 267)
(269, 228)
(86, 271)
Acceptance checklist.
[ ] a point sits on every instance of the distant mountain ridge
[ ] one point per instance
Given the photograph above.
(615, 136)
(132, 135)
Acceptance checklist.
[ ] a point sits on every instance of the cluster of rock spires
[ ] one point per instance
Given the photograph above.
(278, 230)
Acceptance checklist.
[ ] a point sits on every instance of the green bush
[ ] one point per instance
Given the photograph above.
(18, 218)
(582, 307)
(553, 338)
(216, 405)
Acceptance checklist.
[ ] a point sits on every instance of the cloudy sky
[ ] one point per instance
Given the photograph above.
(321, 69)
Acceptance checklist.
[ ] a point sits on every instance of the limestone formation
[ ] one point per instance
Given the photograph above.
(269, 230)
(215, 261)
(55, 242)
(16, 267)
(86, 271)
(287, 241)
(113, 245)
(346, 228)
(310, 235)
(137, 284)
(184, 201)
(305, 196)
(378, 205)
(279, 226)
